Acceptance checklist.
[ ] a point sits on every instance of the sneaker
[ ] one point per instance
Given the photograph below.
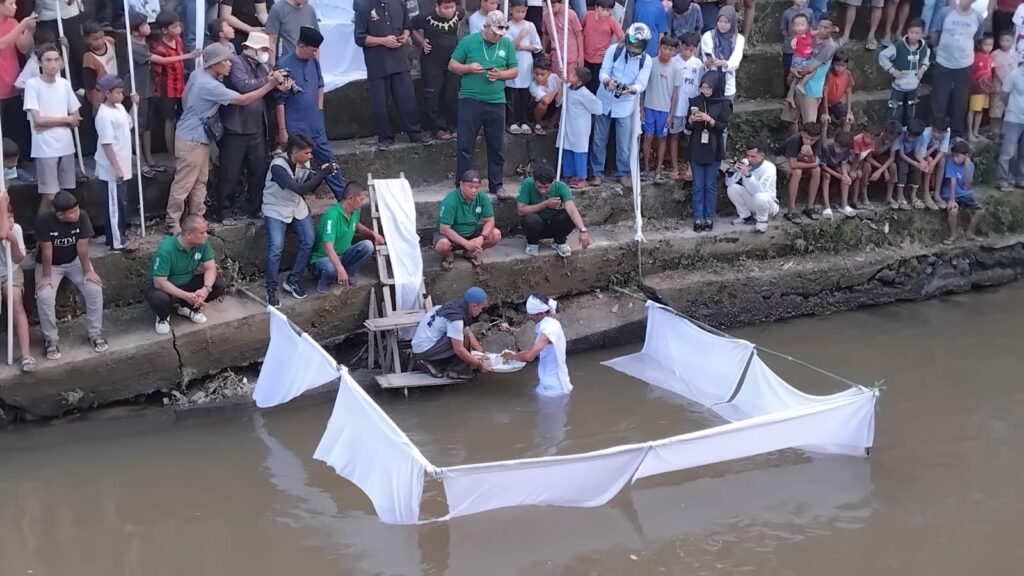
(525, 128)
(163, 326)
(444, 135)
(515, 129)
(272, 299)
(848, 212)
(532, 249)
(194, 315)
(563, 250)
(826, 213)
(1005, 187)
(294, 289)
(385, 144)
(761, 227)
(742, 221)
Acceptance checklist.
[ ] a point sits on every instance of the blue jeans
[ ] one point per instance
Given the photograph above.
(705, 190)
(351, 259)
(1013, 138)
(599, 144)
(275, 244)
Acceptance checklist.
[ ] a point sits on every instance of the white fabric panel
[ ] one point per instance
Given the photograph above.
(847, 422)
(685, 359)
(363, 445)
(585, 480)
(634, 166)
(398, 220)
(341, 61)
(294, 364)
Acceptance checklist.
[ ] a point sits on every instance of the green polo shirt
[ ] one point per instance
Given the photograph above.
(501, 55)
(462, 216)
(528, 195)
(178, 265)
(336, 228)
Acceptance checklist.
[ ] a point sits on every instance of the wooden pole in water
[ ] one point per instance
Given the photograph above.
(67, 75)
(135, 121)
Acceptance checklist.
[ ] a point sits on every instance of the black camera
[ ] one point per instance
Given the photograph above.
(620, 89)
(287, 75)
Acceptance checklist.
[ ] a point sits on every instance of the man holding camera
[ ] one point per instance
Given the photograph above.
(624, 73)
(301, 110)
(752, 187)
(288, 182)
(244, 144)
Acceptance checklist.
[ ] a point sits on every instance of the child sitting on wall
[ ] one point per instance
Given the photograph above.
(931, 153)
(908, 169)
(959, 193)
(837, 165)
(546, 90)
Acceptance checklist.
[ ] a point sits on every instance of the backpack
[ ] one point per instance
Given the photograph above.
(621, 47)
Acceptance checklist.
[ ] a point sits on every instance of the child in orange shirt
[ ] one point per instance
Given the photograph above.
(836, 113)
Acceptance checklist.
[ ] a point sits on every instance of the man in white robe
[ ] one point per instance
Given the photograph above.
(549, 345)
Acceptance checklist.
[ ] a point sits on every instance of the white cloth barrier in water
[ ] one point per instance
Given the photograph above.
(365, 446)
(294, 364)
(685, 359)
(398, 219)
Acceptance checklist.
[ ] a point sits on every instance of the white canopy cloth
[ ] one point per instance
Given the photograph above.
(398, 219)
(341, 60)
(294, 364)
(363, 445)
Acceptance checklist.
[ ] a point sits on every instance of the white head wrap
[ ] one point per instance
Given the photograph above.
(535, 305)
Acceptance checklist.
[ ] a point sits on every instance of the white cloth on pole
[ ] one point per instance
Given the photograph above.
(294, 364)
(685, 359)
(398, 220)
(584, 480)
(341, 60)
(552, 372)
(634, 170)
(847, 422)
(364, 446)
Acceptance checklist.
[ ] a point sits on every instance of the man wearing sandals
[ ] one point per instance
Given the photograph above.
(465, 221)
(63, 252)
(801, 157)
(443, 344)
(183, 275)
(335, 259)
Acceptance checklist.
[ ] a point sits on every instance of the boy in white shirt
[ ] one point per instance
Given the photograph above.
(688, 86)
(546, 90)
(581, 105)
(53, 111)
(476, 19)
(114, 157)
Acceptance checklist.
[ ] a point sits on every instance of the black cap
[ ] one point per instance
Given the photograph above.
(310, 36)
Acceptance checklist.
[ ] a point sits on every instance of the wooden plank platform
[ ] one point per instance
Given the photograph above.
(412, 380)
(404, 319)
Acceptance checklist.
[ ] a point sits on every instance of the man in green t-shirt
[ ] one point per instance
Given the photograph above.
(546, 210)
(335, 259)
(183, 275)
(485, 60)
(465, 221)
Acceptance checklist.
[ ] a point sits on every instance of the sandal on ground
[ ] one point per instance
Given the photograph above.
(475, 259)
(794, 218)
(99, 344)
(52, 351)
(810, 213)
(429, 367)
(539, 130)
(158, 167)
(918, 204)
(28, 364)
(902, 205)
(660, 178)
(447, 264)
(148, 172)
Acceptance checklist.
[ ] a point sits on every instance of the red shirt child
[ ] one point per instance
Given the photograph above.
(170, 78)
(803, 45)
(598, 32)
(981, 73)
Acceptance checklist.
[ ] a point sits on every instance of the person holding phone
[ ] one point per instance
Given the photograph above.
(546, 210)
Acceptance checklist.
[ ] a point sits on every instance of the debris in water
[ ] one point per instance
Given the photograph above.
(633, 557)
(615, 309)
(788, 265)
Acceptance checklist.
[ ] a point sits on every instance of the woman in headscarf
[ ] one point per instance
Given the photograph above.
(722, 49)
(708, 119)
(549, 345)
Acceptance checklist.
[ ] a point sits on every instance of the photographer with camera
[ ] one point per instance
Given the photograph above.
(752, 187)
(284, 205)
(624, 73)
(244, 144)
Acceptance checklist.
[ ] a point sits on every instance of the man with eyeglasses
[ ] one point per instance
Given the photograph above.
(485, 60)
(752, 188)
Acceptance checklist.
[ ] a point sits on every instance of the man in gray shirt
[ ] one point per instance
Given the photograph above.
(283, 24)
(204, 95)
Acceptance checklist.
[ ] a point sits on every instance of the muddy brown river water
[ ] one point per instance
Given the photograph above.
(239, 493)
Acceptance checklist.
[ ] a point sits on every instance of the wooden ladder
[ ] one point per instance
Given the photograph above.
(385, 324)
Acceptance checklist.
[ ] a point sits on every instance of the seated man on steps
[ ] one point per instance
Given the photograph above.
(546, 210)
(63, 252)
(183, 275)
(443, 343)
(752, 188)
(335, 258)
(465, 221)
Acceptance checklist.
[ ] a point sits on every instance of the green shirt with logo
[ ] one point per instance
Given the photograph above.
(336, 228)
(176, 263)
(462, 216)
(500, 55)
(528, 195)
